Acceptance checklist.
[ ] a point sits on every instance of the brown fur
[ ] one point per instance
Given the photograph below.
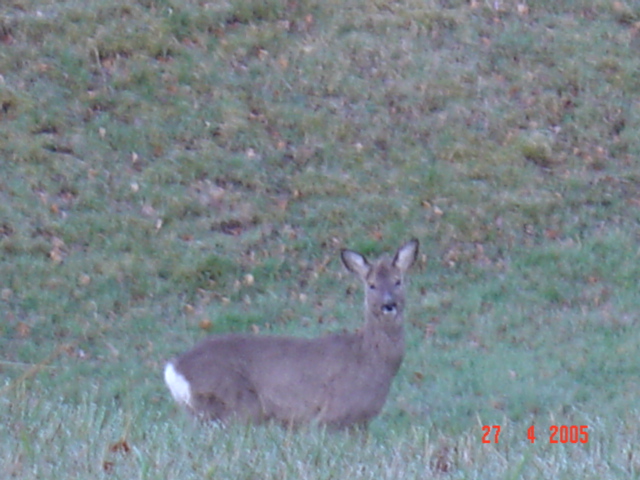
(340, 380)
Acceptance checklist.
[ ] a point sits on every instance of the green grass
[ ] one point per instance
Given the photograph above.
(155, 153)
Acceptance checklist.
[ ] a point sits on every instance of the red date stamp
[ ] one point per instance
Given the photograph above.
(557, 434)
(487, 430)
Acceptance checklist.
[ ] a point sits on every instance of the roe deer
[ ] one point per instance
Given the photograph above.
(340, 380)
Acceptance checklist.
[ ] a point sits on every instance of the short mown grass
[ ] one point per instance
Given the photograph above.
(172, 169)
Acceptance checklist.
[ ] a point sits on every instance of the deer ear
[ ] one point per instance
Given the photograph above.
(406, 255)
(355, 263)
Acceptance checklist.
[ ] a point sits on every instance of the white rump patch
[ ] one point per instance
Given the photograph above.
(179, 386)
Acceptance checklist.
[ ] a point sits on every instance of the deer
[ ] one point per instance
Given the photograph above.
(338, 380)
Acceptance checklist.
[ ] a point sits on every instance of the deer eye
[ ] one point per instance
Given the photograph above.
(372, 286)
(398, 282)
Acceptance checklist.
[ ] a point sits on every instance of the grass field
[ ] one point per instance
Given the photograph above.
(173, 168)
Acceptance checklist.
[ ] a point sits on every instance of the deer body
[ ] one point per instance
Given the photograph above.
(340, 380)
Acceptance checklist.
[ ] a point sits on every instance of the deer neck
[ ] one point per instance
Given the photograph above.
(385, 340)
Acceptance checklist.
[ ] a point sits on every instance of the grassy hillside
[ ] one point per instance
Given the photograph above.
(170, 169)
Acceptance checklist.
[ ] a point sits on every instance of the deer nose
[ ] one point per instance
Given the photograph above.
(390, 307)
